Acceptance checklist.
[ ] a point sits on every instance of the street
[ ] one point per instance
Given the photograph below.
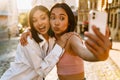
(105, 70)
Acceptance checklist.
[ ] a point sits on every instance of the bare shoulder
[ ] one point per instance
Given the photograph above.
(71, 33)
(74, 37)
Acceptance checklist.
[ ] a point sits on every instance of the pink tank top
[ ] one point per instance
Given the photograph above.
(69, 64)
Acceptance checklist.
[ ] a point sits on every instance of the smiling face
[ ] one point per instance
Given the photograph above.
(59, 21)
(41, 22)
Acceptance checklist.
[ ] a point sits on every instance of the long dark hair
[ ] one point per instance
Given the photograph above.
(33, 30)
(71, 18)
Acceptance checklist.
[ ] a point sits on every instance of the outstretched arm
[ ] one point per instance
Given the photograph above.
(78, 47)
(96, 46)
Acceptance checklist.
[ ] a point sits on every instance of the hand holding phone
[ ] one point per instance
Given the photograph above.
(98, 19)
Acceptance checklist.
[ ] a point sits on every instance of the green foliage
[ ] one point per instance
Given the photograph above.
(21, 30)
(2, 27)
(23, 19)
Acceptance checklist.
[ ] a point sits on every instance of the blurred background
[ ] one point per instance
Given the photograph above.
(14, 20)
(13, 14)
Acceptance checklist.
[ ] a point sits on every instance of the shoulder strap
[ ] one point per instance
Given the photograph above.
(70, 35)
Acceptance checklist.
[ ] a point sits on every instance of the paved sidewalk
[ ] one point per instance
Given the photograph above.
(106, 70)
(115, 53)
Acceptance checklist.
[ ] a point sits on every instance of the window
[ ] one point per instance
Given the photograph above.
(116, 1)
(115, 21)
(119, 20)
(111, 20)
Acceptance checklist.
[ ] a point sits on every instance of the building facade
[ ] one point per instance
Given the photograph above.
(113, 10)
(114, 19)
(50, 3)
(3, 25)
(12, 17)
(8, 18)
(3, 20)
(83, 11)
(84, 6)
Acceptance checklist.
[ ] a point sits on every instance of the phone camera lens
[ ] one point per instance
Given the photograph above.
(93, 17)
(93, 13)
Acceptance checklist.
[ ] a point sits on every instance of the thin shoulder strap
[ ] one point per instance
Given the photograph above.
(71, 34)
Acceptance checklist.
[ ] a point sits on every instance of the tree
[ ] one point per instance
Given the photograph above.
(23, 19)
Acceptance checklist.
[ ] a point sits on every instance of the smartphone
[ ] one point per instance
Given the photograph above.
(99, 19)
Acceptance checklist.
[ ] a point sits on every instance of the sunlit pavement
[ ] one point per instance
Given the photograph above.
(105, 70)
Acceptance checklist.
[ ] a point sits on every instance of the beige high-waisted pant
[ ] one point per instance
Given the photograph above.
(79, 76)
